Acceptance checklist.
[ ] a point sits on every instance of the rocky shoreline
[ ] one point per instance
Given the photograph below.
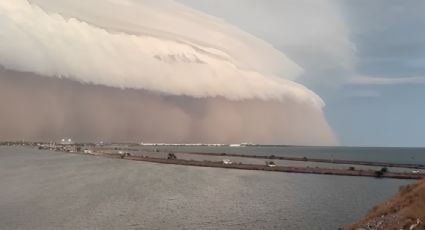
(406, 210)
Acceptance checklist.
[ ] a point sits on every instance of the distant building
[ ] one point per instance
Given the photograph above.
(67, 141)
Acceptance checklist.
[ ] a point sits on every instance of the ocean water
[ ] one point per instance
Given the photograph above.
(378, 154)
(49, 190)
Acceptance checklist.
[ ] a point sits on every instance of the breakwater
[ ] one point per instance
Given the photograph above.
(334, 161)
(309, 170)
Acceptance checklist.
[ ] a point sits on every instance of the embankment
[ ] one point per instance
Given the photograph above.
(406, 210)
(310, 170)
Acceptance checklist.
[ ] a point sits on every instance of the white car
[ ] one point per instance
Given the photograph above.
(88, 151)
(227, 162)
(270, 164)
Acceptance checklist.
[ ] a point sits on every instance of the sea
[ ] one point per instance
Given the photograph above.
(53, 190)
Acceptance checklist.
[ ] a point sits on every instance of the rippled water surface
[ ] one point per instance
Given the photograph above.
(48, 190)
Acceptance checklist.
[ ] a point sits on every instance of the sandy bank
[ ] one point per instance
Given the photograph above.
(406, 210)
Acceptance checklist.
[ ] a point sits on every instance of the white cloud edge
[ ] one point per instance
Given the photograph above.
(246, 83)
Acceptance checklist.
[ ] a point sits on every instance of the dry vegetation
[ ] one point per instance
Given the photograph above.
(404, 211)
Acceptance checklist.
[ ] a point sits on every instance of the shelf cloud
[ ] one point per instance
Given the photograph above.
(163, 61)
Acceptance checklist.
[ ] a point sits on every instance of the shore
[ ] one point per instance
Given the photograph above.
(333, 161)
(406, 210)
(309, 170)
(214, 160)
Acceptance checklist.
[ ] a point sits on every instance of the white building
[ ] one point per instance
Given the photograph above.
(66, 141)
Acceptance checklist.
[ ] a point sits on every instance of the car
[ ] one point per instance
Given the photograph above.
(227, 162)
(270, 164)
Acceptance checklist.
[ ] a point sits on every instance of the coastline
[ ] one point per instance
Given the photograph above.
(123, 153)
(306, 170)
(305, 159)
(405, 210)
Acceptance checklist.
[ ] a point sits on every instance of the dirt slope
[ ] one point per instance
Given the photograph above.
(406, 210)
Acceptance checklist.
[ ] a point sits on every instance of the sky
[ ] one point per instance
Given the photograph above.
(148, 71)
(302, 72)
(373, 81)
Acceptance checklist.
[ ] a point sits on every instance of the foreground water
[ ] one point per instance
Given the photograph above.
(48, 190)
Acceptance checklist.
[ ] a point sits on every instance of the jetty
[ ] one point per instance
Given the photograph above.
(382, 173)
(269, 165)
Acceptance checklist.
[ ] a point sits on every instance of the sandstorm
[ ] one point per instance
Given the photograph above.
(159, 73)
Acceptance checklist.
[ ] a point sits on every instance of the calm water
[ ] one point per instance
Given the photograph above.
(46, 190)
(390, 155)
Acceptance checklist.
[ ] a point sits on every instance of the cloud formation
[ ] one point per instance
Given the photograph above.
(170, 62)
(314, 34)
(52, 45)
